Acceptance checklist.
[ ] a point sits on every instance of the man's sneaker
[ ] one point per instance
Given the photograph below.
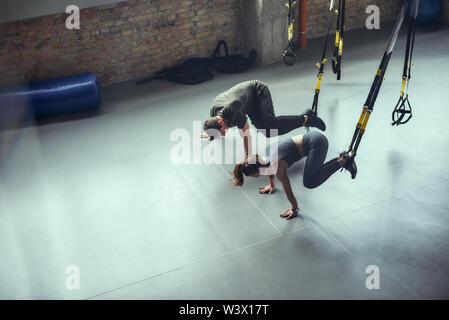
(313, 120)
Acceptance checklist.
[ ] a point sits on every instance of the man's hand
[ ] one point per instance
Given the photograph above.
(290, 213)
(266, 190)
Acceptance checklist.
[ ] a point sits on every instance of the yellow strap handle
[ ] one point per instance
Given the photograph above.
(290, 32)
(337, 38)
(322, 62)
(318, 84)
(288, 5)
(363, 118)
(365, 121)
(404, 80)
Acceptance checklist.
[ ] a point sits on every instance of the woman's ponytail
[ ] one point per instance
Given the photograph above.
(237, 175)
(249, 167)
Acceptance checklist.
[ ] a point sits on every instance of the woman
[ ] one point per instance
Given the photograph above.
(312, 145)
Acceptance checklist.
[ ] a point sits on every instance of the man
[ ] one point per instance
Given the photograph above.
(253, 99)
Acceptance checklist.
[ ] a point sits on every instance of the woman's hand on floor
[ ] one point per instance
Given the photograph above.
(289, 214)
(266, 190)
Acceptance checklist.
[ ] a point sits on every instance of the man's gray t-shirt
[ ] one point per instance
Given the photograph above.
(234, 104)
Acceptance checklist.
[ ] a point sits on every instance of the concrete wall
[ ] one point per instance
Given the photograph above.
(265, 22)
(127, 40)
(355, 14)
(265, 28)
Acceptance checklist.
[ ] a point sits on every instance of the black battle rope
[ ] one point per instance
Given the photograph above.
(289, 54)
(403, 107)
(374, 91)
(339, 38)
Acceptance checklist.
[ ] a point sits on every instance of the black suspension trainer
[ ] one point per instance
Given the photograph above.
(402, 112)
(377, 83)
(323, 61)
(339, 38)
(289, 55)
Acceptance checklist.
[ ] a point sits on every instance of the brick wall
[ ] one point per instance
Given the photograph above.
(133, 39)
(118, 42)
(355, 14)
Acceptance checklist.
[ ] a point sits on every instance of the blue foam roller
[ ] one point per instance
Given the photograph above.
(53, 96)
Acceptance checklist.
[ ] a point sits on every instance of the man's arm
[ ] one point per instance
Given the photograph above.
(246, 135)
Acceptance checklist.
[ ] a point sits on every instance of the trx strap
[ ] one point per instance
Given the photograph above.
(289, 55)
(339, 38)
(321, 64)
(374, 91)
(403, 107)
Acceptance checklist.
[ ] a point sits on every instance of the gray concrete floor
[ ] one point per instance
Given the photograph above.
(101, 193)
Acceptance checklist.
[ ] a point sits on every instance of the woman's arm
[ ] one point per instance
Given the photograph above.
(283, 178)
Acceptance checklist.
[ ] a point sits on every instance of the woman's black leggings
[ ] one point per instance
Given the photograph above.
(265, 119)
(316, 172)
